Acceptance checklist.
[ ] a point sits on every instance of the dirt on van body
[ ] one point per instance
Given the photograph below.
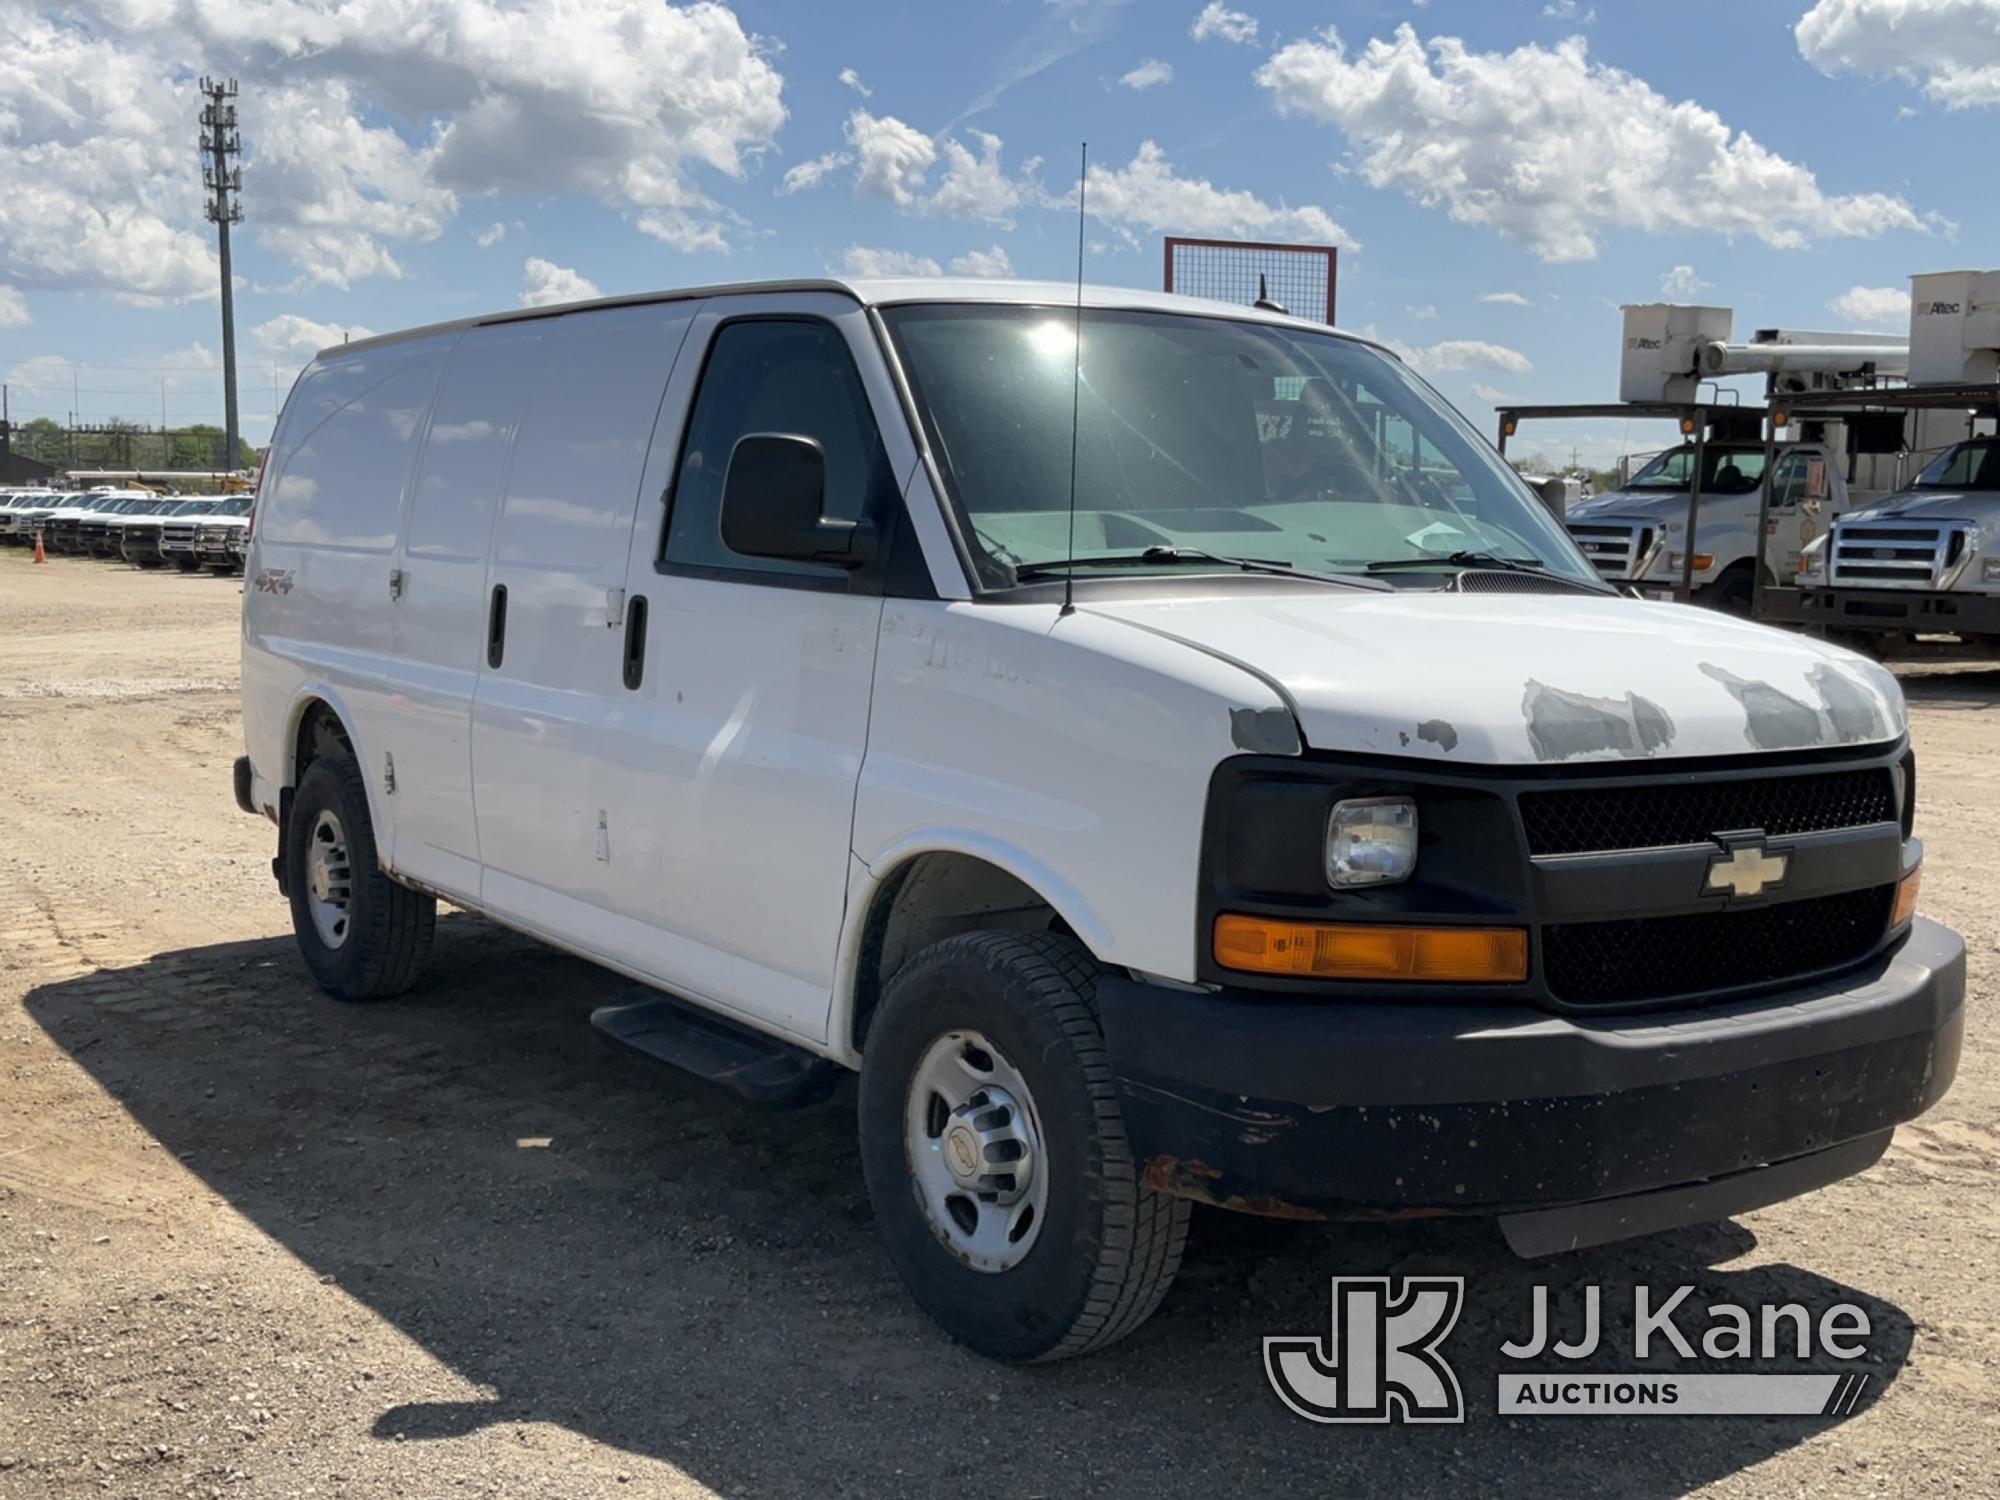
(256, 1242)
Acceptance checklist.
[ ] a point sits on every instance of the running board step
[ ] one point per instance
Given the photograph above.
(768, 1073)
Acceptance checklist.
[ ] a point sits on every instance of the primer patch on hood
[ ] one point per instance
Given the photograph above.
(1772, 720)
(1563, 725)
(1850, 708)
(1847, 714)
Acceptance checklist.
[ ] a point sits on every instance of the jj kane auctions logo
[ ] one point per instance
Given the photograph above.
(1380, 1360)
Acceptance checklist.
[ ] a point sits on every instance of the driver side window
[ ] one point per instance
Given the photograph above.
(773, 376)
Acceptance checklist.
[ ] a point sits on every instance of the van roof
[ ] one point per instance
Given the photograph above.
(885, 291)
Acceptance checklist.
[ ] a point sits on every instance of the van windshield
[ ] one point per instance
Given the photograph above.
(1724, 471)
(1969, 466)
(1242, 439)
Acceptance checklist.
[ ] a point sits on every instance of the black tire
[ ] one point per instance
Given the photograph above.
(1733, 593)
(389, 926)
(187, 564)
(1109, 1246)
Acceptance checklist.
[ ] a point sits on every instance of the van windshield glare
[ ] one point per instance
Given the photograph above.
(1231, 437)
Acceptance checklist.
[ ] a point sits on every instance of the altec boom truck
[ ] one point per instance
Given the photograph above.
(1710, 487)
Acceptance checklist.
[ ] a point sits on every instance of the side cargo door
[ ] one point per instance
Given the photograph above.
(550, 717)
(755, 673)
(438, 589)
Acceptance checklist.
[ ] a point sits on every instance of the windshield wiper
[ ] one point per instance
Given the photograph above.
(1156, 556)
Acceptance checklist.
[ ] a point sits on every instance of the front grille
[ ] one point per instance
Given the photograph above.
(1896, 554)
(1630, 961)
(1659, 815)
(178, 538)
(1615, 548)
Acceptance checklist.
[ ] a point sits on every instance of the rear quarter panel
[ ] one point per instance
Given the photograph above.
(316, 619)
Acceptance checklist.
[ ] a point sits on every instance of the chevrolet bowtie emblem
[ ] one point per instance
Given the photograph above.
(1747, 870)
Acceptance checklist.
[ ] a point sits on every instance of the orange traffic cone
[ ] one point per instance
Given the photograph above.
(40, 555)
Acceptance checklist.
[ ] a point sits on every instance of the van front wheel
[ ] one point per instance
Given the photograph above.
(996, 1156)
(363, 936)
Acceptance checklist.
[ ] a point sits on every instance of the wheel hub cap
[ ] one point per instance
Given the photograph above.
(329, 880)
(975, 1150)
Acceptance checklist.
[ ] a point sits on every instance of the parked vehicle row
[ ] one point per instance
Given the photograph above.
(145, 529)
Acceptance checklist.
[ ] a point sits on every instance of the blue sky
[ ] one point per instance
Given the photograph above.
(409, 160)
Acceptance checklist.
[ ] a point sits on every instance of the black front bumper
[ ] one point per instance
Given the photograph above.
(1311, 1108)
(1900, 610)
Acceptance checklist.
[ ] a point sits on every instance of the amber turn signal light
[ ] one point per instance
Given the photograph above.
(1906, 898)
(1325, 950)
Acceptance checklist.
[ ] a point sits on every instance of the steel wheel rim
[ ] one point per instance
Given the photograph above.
(978, 1166)
(329, 880)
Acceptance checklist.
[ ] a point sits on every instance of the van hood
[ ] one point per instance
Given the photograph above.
(1510, 680)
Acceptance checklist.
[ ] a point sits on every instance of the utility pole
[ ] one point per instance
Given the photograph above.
(219, 144)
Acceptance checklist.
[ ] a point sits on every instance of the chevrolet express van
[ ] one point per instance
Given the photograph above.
(1158, 744)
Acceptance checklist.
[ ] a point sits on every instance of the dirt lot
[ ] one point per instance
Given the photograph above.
(255, 1242)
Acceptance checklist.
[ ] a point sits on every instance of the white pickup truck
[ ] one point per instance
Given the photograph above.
(1158, 745)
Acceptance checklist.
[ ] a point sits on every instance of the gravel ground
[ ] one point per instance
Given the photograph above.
(255, 1242)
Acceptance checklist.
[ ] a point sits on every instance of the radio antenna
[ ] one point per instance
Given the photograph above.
(1075, 382)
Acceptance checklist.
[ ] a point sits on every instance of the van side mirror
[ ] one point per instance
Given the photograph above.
(774, 504)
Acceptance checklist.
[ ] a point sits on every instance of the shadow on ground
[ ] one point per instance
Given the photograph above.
(1967, 690)
(686, 1279)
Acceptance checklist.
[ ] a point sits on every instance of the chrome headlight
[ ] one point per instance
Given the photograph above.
(1812, 557)
(1371, 841)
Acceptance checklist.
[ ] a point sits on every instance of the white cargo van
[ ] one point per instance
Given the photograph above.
(1245, 796)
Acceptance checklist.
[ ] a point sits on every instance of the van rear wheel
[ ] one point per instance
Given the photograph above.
(996, 1156)
(364, 936)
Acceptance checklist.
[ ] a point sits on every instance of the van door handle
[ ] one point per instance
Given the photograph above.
(496, 626)
(635, 641)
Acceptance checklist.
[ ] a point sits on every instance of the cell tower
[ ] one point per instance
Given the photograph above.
(220, 146)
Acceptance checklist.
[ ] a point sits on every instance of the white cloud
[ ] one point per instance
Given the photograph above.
(289, 333)
(853, 80)
(13, 309)
(1488, 392)
(1506, 299)
(977, 186)
(861, 260)
(1150, 74)
(1456, 355)
(891, 157)
(544, 283)
(1218, 20)
(1425, 314)
(1150, 194)
(1877, 309)
(992, 262)
(810, 174)
(1682, 285)
(365, 126)
(1571, 10)
(491, 235)
(1951, 48)
(1553, 150)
